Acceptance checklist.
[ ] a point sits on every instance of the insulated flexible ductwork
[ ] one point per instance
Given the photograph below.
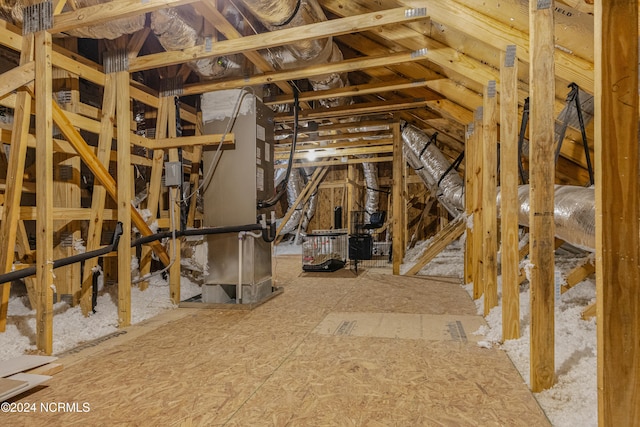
(574, 212)
(372, 198)
(311, 205)
(293, 13)
(430, 164)
(295, 186)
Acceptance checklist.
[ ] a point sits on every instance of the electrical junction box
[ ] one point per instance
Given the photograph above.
(173, 174)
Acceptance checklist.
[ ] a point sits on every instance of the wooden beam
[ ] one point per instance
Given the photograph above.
(155, 181)
(102, 174)
(15, 176)
(304, 195)
(16, 77)
(66, 193)
(397, 243)
(360, 109)
(475, 151)
(124, 197)
(194, 175)
(284, 152)
(489, 185)
(44, 197)
(318, 30)
(99, 193)
(174, 208)
(375, 149)
(542, 180)
(86, 69)
(447, 235)
(356, 90)
(314, 141)
(468, 203)
(577, 275)
(617, 212)
(353, 161)
(211, 14)
(509, 204)
(305, 72)
(483, 27)
(190, 141)
(105, 12)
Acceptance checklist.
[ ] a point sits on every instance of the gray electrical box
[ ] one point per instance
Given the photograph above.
(243, 176)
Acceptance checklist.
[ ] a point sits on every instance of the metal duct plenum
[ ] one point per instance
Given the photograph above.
(430, 164)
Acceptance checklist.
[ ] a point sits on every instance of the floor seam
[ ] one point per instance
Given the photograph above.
(288, 356)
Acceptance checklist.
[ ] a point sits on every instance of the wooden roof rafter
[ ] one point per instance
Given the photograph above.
(267, 40)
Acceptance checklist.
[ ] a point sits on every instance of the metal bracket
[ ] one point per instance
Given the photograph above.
(510, 56)
(418, 11)
(65, 172)
(172, 86)
(491, 89)
(208, 43)
(471, 127)
(66, 239)
(418, 53)
(64, 96)
(477, 115)
(37, 17)
(115, 61)
(543, 4)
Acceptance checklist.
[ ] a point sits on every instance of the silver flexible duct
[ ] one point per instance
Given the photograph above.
(311, 206)
(294, 188)
(372, 198)
(574, 212)
(430, 164)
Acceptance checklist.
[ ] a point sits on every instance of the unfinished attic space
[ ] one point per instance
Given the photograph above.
(319, 212)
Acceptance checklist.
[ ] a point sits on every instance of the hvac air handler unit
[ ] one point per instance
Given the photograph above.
(242, 176)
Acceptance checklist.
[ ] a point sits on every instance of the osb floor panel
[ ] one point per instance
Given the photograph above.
(286, 363)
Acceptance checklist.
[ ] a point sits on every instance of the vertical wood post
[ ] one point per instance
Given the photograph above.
(476, 176)
(509, 194)
(489, 183)
(351, 178)
(468, 202)
(174, 270)
(44, 194)
(123, 116)
(99, 192)
(155, 182)
(398, 246)
(542, 180)
(66, 186)
(194, 176)
(15, 175)
(617, 212)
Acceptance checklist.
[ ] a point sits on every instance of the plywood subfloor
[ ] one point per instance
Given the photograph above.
(277, 366)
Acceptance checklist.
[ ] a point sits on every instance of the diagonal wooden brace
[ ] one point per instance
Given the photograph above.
(102, 174)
